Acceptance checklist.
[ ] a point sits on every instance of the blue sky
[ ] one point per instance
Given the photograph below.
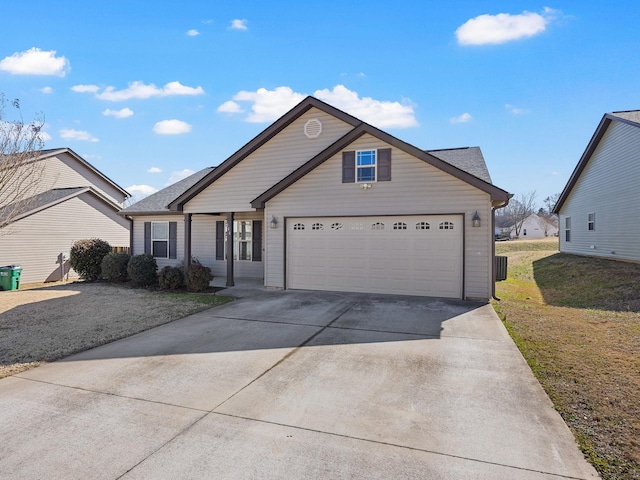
(151, 91)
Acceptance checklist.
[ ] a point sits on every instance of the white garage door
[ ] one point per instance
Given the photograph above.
(405, 255)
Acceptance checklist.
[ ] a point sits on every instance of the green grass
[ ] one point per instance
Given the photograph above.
(576, 321)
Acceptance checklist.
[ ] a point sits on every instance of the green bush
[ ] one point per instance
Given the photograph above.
(143, 270)
(85, 257)
(198, 277)
(114, 267)
(171, 278)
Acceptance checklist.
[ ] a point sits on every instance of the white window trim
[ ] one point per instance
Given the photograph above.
(237, 241)
(567, 228)
(591, 221)
(153, 239)
(374, 166)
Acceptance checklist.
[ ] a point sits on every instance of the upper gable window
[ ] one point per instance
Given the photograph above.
(366, 166)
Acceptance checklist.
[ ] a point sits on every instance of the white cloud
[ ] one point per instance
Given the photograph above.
(71, 134)
(122, 113)
(515, 110)
(139, 90)
(138, 192)
(179, 175)
(85, 88)
(464, 118)
(35, 62)
(230, 107)
(44, 136)
(239, 24)
(46, 90)
(171, 127)
(154, 170)
(269, 105)
(503, 27)
(193, 32)
(382, 114)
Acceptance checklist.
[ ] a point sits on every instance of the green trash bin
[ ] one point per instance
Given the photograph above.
(10, 277)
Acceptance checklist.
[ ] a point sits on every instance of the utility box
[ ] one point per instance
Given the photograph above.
(501, 267)
(10, 277)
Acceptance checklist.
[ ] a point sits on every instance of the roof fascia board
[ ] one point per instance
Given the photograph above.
(262, 138)
(495, 192)
(584, 159)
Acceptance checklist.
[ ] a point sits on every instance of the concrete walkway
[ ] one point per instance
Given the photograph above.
(293, 385)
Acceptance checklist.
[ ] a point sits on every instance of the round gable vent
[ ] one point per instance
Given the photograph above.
(313, 128)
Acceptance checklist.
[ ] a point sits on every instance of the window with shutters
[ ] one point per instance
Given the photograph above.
(365, 166)
(160, 239)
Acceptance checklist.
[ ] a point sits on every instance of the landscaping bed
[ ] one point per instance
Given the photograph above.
(50, 322)
(577, 322)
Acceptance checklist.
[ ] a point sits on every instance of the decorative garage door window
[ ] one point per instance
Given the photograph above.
(446, 226)
(423, 226)
(298, 226)
(377, 226)
(357, 226)
(317, 226)
(399, 226)
(336, 226)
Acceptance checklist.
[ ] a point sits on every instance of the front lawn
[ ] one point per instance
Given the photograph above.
(576, 321)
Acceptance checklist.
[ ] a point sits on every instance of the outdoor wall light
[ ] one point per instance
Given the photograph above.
(475, 220)
(274, 222)
(365, 186)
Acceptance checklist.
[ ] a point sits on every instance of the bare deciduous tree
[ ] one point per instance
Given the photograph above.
(519, 209)
(20, 170)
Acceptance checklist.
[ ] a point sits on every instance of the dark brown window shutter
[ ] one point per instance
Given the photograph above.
(173, 239)
(348, 167)
(147, 237)
(384, 165)
(220, 240)
(256, 243)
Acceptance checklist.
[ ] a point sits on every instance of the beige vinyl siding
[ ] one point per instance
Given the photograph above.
(608, 187)
(415, 188)
(36, 241)
(138, 238)
(203, 246)
(64, 171)
(234, 191)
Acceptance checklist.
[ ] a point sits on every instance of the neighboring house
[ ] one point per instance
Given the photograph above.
(71, 201)
(536, 226)
(323, 201)
(598, 204)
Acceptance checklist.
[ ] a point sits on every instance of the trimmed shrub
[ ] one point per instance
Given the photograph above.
(143, 270)
(171, 278)
(114, 267)
(198, 277)
(85, 257)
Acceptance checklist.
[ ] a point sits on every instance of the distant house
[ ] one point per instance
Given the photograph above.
(321, 200)
(601, 199)
(71, 201)
(537, 226)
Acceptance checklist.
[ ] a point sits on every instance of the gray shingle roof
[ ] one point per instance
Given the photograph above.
(468, 159)
(631, 115)
(22, 207)
(159, 201)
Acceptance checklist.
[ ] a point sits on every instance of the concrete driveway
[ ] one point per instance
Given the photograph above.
(293, 385)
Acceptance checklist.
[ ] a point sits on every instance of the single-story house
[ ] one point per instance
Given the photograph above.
(536, 226)
(321, 200)
(601, 198)
(70, 200)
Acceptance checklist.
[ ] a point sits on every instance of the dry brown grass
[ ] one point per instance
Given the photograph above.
(45, 323)
(577, 322)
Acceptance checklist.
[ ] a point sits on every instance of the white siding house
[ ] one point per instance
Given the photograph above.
(597, 206)
(537, 226)
(72, 201)
(321, 200)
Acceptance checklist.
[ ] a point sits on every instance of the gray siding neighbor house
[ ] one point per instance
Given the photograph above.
(597, 206)
(323, 201)
(71, 201)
